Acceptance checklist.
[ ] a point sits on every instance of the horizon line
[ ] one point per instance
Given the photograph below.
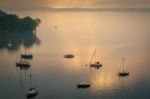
(78, 9)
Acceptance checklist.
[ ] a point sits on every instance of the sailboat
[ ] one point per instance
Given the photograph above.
(32, 92)
(123, 73)
(23, 63)
(26, 55)
(93, 62)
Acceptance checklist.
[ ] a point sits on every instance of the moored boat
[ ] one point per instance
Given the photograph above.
(83, 85)
(122, 72)
(26, 56)
(32, 93)
(93, 62)
(22, 63)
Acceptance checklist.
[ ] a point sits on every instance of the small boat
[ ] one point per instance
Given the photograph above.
(83, 85)
(22, 63)
(26, 56)
(123, 73)
(96, 64)
(93, 62)
(32, 93)
(69, 56)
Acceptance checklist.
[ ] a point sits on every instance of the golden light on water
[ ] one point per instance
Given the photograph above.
(114, 35)
(80, 33)
(102, 83)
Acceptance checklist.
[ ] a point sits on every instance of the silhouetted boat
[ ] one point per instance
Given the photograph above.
(26, 55)
(32, 93)
(69, 56)
(83, 85)
(22, 63)
(123, 73)
(93, 62)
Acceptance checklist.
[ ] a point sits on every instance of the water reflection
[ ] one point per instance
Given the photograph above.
(110, 34)
(15, 41)
(122, 81)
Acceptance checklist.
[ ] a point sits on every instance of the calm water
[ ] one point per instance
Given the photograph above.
(113, 34)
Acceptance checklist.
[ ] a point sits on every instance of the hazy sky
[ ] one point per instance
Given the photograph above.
(73, 3)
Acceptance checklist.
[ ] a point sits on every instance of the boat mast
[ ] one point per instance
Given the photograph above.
(123, 64)
(25, 47)
(93, 56)
(25, 50)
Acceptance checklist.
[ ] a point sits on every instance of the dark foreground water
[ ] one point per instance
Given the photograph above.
(113, 34)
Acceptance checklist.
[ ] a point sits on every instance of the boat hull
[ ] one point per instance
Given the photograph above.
(69, 56)
(32, 93)
(22, 65)
(25, 56)
(123, 74)
(96, 65)
(83, 85)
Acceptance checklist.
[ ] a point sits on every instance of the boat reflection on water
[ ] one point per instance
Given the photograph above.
(122, 81)
(13, 41)
(102, 82)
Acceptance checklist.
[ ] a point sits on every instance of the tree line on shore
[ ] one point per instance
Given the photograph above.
(17, 31)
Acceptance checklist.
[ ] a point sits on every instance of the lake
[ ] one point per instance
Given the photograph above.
(114, 35)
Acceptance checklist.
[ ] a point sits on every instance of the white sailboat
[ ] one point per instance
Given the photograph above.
(32, 92)
(93, 62)
(122, 72)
